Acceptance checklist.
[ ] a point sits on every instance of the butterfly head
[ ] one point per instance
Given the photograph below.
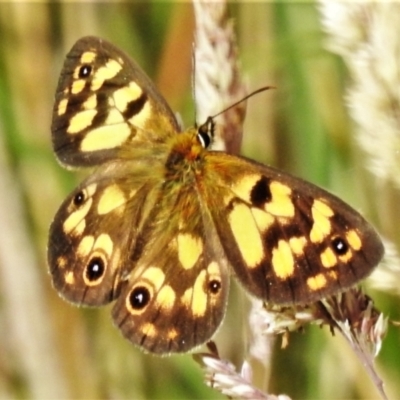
(205, 133)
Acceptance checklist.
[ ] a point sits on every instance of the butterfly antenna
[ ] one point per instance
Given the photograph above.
(262, 89)
(206, 130)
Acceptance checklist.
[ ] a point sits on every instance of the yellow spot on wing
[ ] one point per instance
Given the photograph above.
(166, 298)
(263, 219)
(333, 275)
(90, 189)
(76, 217)
(297, 244)
(80, 228)
(321, 224)
(78, 86)
(189, 249)
(140, 119)
(90, 103)
(80, 121)
(69, 278)
(104, 243)
(105, 137)
(122, 97)
(112, 198)
(104, 73)
(155, 275)
(62, 107)
(322, 208)
(199, 298)
(62, 262)
(213, 269)
(172, 334)
(354, 240)
(243, 187)
(282, 260)
(186, 299)
(87, 57)
(76, 72)
(114, 117)
(328, 258)
(346, 257)
(316, 282)
(281, 204)
(246, 234)
(149, 330)
(85, 246)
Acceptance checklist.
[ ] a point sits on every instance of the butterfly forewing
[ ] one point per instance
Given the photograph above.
(287, 240)
(105, 102)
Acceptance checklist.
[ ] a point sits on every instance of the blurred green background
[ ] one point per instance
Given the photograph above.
(51, 349)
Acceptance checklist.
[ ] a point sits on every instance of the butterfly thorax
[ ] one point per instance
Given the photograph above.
(185, 157)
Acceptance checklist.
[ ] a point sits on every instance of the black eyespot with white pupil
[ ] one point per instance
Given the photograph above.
(340, 246)
(95, 269)
(139, 297)
(85, 71)
(214, 286)
(79, 198)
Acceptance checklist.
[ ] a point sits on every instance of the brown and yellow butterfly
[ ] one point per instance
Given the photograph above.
(162, 222)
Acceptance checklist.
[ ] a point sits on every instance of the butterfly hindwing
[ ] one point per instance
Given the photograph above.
(175, 298)
(92, 233)
(123, 236)
(165, 309)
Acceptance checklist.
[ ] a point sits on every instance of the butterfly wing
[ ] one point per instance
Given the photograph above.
(124, 235)
(104, 102)
(93, 231)
(175, 298)
(287, 240)
(114, 237)
(159, 222)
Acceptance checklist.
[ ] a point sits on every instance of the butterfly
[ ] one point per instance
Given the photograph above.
(163, 221)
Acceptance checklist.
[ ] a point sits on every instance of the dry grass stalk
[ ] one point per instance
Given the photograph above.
(367, 36)
(387, 276)
(217, 79)
(29, 333)
(222, 375)
(351, 313)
